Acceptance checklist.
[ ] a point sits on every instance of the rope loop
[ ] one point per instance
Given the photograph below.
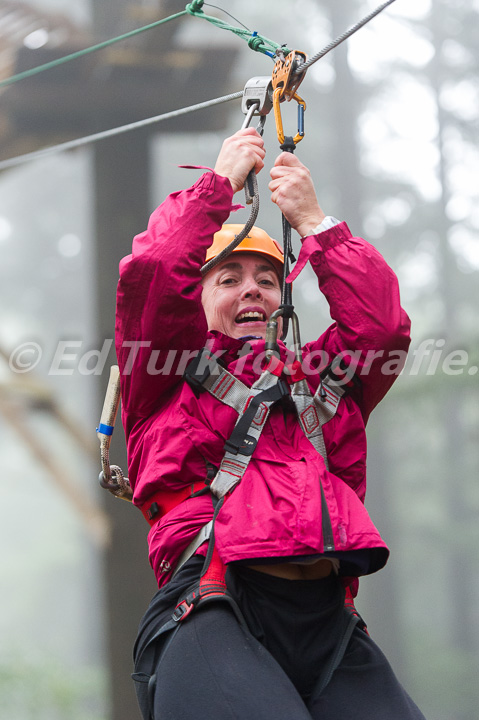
(255, 42)
(196, 6)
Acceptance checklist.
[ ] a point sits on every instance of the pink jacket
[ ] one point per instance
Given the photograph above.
(275, 512)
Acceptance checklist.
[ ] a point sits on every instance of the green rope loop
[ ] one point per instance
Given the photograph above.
(195, 6)
(255, 41)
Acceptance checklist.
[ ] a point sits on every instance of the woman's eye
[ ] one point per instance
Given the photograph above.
(227, 281)
(265, 281)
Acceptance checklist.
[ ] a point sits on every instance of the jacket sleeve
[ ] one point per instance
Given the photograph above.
(159, 316)
(371, 330)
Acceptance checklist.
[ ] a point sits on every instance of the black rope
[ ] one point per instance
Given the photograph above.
(286, 287)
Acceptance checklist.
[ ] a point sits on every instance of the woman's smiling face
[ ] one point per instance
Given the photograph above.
(240, 294)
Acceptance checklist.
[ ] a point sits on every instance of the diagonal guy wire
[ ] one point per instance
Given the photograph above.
(85, 51)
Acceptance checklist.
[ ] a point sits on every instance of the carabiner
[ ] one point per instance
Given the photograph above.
(279, 122)
(285, 81)
(271, 338)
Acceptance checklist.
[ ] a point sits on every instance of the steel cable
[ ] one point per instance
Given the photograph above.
(79, 142)
(304, 66)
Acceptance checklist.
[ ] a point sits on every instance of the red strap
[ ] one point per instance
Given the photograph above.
(296, 372)
(213, 581)
(349, 605)
(349, 600)
(165, 500)
(275, 366)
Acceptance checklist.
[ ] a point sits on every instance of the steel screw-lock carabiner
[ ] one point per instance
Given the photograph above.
(271, 338)
(286, 80)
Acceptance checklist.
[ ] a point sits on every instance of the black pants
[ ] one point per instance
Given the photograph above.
(215, 668)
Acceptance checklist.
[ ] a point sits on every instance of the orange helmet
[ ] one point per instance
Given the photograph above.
(258, 241)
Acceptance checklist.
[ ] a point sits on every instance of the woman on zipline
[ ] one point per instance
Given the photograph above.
(272, 450)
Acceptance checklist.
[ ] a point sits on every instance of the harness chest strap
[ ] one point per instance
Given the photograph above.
(205, 373)
(240, 446)
(252, 405)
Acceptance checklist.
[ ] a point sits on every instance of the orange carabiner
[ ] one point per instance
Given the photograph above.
(285, 81)
(279, 121)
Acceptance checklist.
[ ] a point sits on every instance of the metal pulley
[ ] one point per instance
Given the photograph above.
(257, 101)
(258, 91)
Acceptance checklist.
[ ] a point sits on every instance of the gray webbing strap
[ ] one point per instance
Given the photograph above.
(205, 373)
(234, 464)
(314, 411)
(310, 418)
(199, 539)
(226, 388)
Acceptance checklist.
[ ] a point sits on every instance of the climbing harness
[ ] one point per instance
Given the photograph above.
(253, 405)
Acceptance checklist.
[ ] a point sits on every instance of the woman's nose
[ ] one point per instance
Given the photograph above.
(251, 289)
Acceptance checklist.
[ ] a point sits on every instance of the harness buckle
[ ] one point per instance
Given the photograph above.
(340, 376)
(247, 447)
(183, 609)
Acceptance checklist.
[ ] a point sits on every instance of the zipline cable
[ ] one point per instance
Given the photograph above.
(193, 8)
(71, 144)
(304, 66)
(255, 41)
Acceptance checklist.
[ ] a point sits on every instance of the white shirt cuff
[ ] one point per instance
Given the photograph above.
(328, 222)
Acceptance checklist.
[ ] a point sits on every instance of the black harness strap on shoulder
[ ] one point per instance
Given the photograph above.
(337, 374)
(239, 440)
(198, 371)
